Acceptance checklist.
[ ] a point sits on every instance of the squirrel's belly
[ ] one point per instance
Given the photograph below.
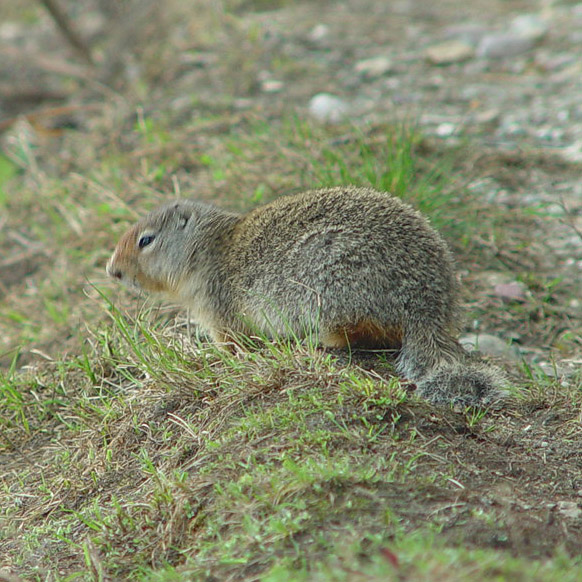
(365, 333)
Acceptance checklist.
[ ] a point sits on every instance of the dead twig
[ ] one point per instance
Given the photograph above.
(49, 64)
(38, 116)
(569, 218)
(66, 27)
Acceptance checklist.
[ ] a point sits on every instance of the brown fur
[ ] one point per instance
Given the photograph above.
(350, 266)
(364, 334)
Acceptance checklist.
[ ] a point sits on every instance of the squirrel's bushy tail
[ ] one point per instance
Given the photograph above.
(470, 384)
(445, 373)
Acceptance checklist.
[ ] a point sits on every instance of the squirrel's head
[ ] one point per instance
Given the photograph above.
(158, 252)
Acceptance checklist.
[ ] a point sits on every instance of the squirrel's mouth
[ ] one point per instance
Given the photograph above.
(132, 284)
(129, 282)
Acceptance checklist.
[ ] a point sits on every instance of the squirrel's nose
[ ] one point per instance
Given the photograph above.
(113, 272)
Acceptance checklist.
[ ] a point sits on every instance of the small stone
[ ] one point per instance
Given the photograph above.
(569, 509)
(573, 152)
(374, 67)
(318, 33)
(501, 45)
(492, 278)
(454, 51)
(487, 116)
(10, 31)
(565, 369)
(514, 291)
(512, 128)
(489, 345)
(445, 129)
(327, 108)
(272, 86)
(524, 33)
(529, 26)
(550, 369)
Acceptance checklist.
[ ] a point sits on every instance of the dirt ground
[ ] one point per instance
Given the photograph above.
(516, 476)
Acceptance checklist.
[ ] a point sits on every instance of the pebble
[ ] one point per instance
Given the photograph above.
(318, 33)
(10, 31)
(529, 26)
(565, 369)
(445, 129)
(514, 291)
(570, 509)
(501, 45)
(523, 34)
(272, 86)
(328, 108)
(489, 345)
(487, 116)
(374, 67)
(572, 153)
(446, 53)
(493, 278)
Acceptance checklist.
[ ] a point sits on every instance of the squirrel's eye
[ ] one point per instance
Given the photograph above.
(144, 241)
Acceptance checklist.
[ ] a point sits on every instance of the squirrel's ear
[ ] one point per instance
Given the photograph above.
(183, 216)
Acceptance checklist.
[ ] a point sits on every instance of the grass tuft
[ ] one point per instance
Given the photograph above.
(132, 449)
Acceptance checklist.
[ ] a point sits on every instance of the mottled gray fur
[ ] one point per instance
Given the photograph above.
(348, 264)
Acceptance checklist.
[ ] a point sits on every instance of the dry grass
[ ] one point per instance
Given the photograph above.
(131, 451)
(151, 450)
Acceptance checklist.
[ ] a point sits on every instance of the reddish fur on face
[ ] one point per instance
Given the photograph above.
(125, 252)
(366, 334)
(151, 285)
(124, 262)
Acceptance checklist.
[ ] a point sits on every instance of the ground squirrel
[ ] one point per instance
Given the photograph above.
(352, 266)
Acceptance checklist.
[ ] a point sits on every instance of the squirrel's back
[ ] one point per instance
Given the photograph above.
(350, 266)
(343, 257)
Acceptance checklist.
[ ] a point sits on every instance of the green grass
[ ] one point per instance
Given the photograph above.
(146, 455)
(386, 161)
(419, 559)
(7, 171)
(132, 449)
(176, 460)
